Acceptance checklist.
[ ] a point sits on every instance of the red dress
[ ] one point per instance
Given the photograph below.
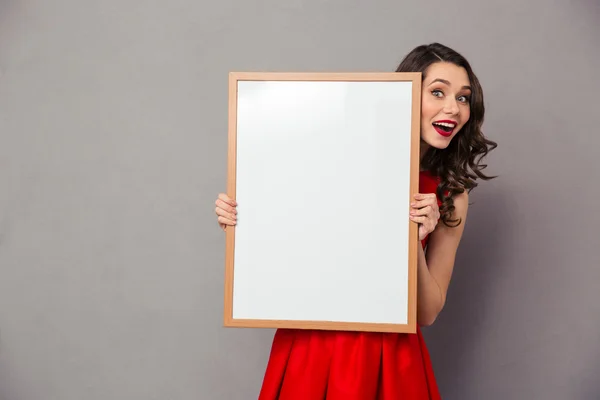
(334, 365)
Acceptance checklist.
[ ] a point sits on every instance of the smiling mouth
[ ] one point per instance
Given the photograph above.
(444, 128)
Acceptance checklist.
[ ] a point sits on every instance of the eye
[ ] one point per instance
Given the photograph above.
(437, 93)
(463, 99)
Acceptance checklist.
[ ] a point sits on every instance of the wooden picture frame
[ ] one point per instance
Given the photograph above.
(323, 167)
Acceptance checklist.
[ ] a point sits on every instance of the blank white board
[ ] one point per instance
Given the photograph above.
(323, 167)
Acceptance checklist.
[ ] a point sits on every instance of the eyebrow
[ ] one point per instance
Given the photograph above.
(448, 83)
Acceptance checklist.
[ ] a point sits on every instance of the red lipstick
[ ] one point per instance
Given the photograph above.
(444, 130)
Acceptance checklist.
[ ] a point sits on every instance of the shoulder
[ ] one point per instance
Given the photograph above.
(451, 235)
(461, 204)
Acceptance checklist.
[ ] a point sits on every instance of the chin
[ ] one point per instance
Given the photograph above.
(441, 146)
(437, 141)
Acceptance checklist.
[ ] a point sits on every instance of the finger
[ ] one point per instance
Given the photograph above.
(424, 203)
(225, 198)
(225, 206)
(223, 213)
(422, 211)
(418, 219)
(226, 221)
(423, 196)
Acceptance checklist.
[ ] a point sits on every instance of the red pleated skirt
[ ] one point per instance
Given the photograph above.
(333, 365)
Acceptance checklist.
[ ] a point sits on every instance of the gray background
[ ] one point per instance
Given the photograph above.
(113, 119)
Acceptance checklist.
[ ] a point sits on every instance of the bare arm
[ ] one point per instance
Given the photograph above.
(434, 269)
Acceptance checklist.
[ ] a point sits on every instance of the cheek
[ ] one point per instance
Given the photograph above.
(428, 109)
(465, 115)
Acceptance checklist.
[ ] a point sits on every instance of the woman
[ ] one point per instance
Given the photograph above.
(331, 365)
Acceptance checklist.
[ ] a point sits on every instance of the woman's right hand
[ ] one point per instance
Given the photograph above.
(226, 211)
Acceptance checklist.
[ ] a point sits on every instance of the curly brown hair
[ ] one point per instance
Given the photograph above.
(459, 165)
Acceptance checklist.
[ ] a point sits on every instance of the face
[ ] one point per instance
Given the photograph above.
(444, 104)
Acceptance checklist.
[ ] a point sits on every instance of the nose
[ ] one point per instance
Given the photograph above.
(451, 106)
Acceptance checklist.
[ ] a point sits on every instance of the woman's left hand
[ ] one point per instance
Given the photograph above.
(425, 212)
